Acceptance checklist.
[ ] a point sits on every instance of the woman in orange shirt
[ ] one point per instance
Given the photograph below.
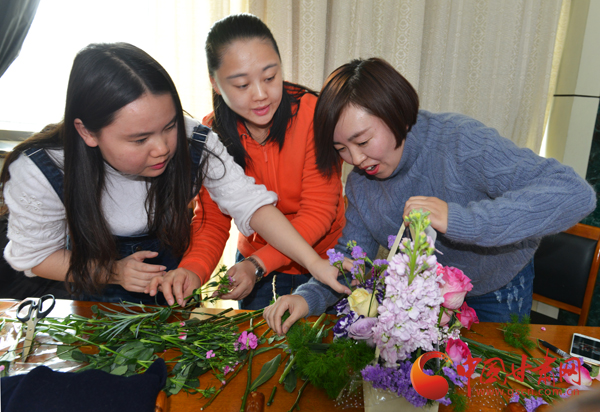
(266, 125)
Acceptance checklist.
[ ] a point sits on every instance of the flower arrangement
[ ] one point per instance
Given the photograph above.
(407, 307)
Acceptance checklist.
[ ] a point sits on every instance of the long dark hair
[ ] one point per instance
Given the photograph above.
(373, 85)
(224, 120)
(104, 78)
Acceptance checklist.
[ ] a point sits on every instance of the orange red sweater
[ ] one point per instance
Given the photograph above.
(312, 203)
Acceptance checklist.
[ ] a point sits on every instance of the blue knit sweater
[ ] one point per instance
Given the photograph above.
(501, 200)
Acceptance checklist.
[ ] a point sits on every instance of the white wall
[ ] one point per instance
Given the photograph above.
(573, 115)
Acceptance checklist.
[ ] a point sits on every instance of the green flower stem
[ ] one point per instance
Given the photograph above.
(258, 325)
(510, 378)
(270, 401)
(319, 321)
(299, 395)
(233, 375)
(249, 382)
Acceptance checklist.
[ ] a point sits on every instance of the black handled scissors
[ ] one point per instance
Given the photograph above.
(30, 311)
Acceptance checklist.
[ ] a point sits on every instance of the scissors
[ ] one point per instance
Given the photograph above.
(30, 311)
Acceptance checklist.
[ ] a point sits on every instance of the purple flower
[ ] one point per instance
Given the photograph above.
(358, 253)
(514, 398)
(342, 307)
(391, 240)
(454, 377)
(210, 354)
(340, 330)
(396, 380)
(227, 369)
(356, 267)
(362, 329)
(444, 401)
(335, 256)
(531, 404)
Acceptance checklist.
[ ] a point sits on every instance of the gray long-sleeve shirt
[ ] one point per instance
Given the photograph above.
(501, 199)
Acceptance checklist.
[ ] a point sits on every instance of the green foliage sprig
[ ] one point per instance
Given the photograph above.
(128, 343)
(128, 340)
(328, 366)
(517, 332)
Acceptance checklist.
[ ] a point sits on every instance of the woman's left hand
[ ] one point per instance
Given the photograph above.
(244, 278)
(437, 208)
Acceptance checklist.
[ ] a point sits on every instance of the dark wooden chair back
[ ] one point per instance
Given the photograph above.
(566, 267)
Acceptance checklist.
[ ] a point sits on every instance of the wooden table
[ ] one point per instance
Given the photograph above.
(315, 399)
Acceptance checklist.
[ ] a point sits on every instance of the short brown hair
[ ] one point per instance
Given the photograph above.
(373, 85)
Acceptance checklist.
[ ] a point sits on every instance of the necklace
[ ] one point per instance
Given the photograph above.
(260, 139)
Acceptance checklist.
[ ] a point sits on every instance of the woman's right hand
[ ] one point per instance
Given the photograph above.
(244, 279)
(135, 275)
(295, 304)
(321, 270)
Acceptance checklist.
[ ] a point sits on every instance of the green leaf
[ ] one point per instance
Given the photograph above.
(63, 337)
(164, 314)
(68, 353)
(267, 372)
(94, 309)
(146, 354)
(180, 379)
(290, 382)
(79, 356)
(119, 370)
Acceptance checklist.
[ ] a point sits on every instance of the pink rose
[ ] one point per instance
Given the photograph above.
(457, 350)
(455, 288)
(445, 317)
(575, 373)
(467, 316)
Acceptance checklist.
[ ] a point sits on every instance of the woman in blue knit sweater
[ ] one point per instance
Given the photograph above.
(490, 201)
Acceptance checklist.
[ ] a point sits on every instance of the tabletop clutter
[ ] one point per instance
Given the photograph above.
(125, 354)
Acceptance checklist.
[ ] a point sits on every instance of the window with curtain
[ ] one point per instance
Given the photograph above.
(32, 90)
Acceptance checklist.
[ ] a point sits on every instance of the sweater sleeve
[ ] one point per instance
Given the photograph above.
(319, 196)
(527, 196)
(210, 231)
(37, 225)
(235, 194)
(318, 296)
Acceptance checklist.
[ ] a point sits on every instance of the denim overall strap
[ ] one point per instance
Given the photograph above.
(196, 145)
(54, 175)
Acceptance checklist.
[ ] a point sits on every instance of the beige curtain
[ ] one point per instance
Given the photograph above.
(488, 59)
(186, 63)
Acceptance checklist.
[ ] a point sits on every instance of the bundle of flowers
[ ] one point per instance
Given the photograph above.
(405, 308)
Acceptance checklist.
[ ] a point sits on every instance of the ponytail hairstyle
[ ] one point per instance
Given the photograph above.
(105, 78)
(373, 85)
(224, 120)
